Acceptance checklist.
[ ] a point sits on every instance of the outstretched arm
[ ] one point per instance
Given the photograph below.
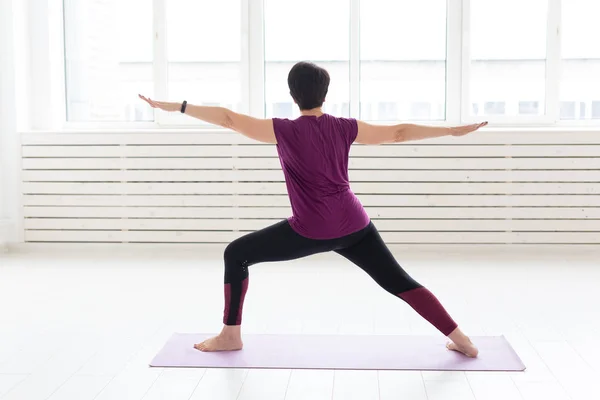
(379, 134)
(254, 128)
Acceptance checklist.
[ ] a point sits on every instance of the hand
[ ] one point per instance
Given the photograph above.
(170, 107)
(463, 130)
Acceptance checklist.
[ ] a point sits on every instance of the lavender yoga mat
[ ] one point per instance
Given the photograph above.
(359, 352)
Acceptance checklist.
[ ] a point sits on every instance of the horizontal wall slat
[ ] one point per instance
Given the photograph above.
(137, 138)
(130, 163)
(151, 176)
(161, 201)
(279, 188)
(221, 224)
(488, 137)
(284, 212)
(282, 200)
(146, 151)
(392, 150)
(389, 237)
(386, 225)
(273, 163)
(156, 212)
(415, 150)
(276, 176)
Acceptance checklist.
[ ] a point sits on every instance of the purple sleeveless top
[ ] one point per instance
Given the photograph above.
(313, 152)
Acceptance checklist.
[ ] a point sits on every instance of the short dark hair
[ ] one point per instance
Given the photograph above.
(308, 85)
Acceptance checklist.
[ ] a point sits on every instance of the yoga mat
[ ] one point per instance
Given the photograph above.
(358, 352)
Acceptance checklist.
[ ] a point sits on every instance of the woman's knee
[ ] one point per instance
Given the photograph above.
(231, 252)
(236, 263)
(399, 283)
(406, 284)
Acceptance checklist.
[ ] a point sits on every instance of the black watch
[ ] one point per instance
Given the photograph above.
(183, 106)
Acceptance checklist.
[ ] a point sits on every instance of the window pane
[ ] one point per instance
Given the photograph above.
(403, 57)
(582, 108)
(508, 55)
(283, 110)
(580, 53)
(494, 108)
(366, 111)
(204, 52)
(595, 109)
(387, 111)
(529, 108)
(420, 110)
(108, 59)
(567, 110)
(310, 30)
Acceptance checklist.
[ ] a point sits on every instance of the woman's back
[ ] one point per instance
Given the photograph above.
(313, 151)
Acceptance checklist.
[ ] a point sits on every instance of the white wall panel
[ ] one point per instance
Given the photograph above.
(497, 186)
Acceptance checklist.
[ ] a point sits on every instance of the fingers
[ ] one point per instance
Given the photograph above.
(474, 127)
(465, 129)
(147, 100)
(152, 103)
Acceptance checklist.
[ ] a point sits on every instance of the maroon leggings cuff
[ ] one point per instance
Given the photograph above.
(428, 306)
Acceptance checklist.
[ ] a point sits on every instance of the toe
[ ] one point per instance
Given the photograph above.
(200, 346)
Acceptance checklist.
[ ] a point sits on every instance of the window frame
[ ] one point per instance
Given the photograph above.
(48, 44)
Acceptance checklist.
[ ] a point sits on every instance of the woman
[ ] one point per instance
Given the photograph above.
(327, 216)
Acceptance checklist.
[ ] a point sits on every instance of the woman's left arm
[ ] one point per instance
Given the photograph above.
(255, 128)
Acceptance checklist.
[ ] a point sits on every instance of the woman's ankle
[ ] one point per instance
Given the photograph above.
(457, 336)
(231, 331)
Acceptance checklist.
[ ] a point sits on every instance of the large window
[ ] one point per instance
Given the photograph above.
(308, 30)
(448, 61)
(403, 59)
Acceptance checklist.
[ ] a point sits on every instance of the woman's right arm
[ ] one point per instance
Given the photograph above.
(380, 134)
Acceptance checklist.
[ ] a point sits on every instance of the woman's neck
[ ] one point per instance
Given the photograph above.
(315, 112)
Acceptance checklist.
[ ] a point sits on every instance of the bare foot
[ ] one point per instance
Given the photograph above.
(467, 348)
(461, 343)
(220, 343)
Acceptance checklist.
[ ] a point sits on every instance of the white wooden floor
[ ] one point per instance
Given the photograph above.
(84, 326)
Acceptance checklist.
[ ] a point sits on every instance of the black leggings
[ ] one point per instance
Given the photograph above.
(364, 248)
